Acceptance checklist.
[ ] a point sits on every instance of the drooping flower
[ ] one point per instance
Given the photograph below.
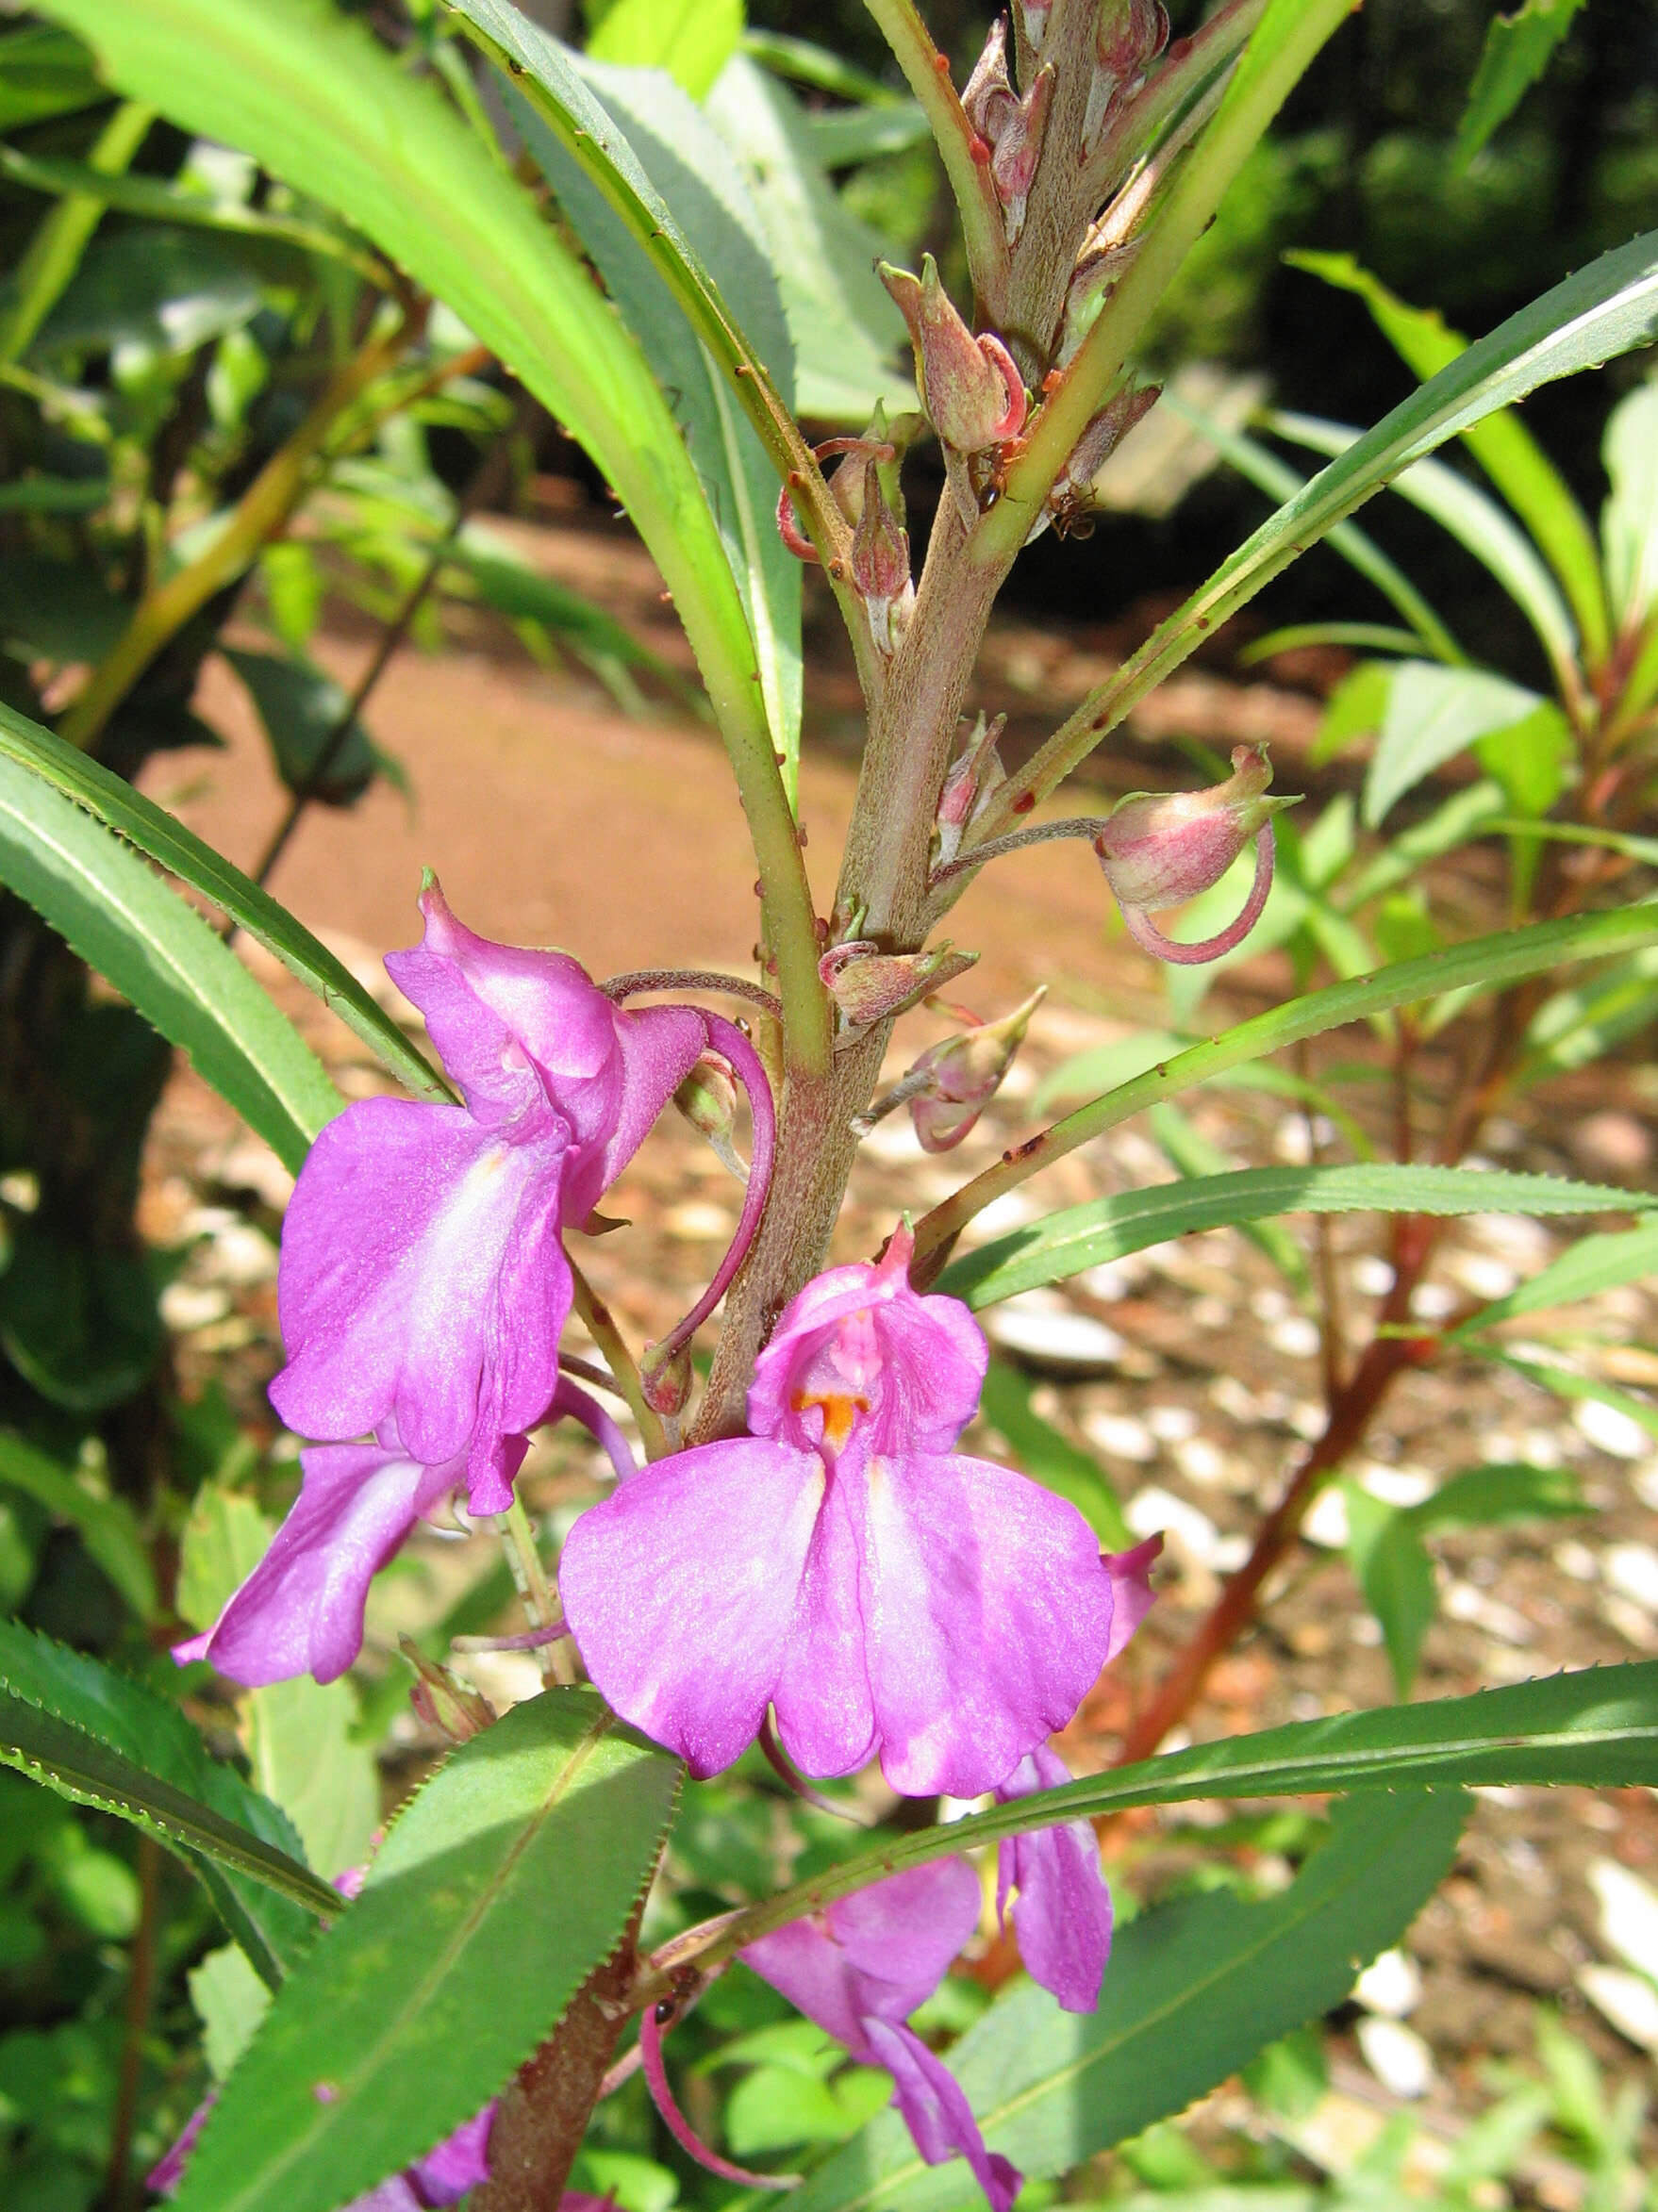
(423, 1281)
(842, 1563)
(1160, 849)
(1062, 1915)
(301, 1609)
(861, 1967)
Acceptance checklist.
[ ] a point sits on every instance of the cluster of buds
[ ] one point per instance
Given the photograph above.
(1008, 129)
(970, 388)
(1128, 37)
(972, 778)
(864, 485)
(869, 985)
(951, 1083)
(1162, 849)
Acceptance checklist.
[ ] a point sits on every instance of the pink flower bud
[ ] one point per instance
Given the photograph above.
(880, 565)
(1128, 37)
(1158, 850)
(964, 1073)
(1012, 165)
(970, 779)
(970, 386)
(665, 1376)
(1100, 269)
(869, 985)
(989, 101)
(1070, 500)
(707, 1099)
(442, 1701)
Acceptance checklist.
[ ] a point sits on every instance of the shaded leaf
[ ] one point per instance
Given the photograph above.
(1392, 1567)
(1194, 1989)
(115, 912)
(1518, 50)
(183, 854)
(100, 1739)
(1628, 523)
(1482, 1496)
(1433, 715)
(105, 1524)
(532, 1843)
(299, 708)
(1593, 1263)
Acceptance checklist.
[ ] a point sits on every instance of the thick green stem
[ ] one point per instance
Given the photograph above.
(927, 73)
(53, 253)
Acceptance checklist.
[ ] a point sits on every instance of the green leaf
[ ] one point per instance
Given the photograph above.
(844, 325)
(79, 1324)
(314, 98)
(1532, 762)
(1392, 1568)
(1518, 50)
(1051, 1459)
(1501, 443)
(1483, 964)
(1107, 1229)
(1594, 1263)
(299, 707)
(528, 1849)
(1433, 715)
(105, 1524)
(1264, 470)
(300, 1732)
(44, 72)
(166, 290)
(1190, 1154)
(230, 2002)
(1476, 521)
(682, 161)
(691, 39)
(1629, 522)
(503, 580)
(842, 137)
(100, 1739)
(183, 854)
(1194, 1991)
(1587, 1022)
(115, 912)
(1598, 1726)
(1482, 1497)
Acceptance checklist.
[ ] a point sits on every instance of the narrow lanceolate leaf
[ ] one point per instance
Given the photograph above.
(1598, 1727)
(1128, 1221)
(500, 1888)
(183, 854)
(1608, 309)
(113, 909)
(1518, 47)
(1193, 1991)
(100, 1739)
(1594, 1263)
(1485, 963)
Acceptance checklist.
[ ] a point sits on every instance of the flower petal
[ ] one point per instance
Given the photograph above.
(460, 2163)
(421, 1279)
(681, 1590)
(989, 1617)
(656, 1048)
(825, 1716)
(1063, 1918)
(301, 1609)
(937, 2112)
(1132, 1596)
(899, 1936)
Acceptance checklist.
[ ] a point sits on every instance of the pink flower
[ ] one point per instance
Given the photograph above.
(422, 1280)
(861, 1967)
(842, 1563)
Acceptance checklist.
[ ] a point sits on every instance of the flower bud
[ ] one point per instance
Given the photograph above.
(1012, 165)
(972, 777)
(989, 101)
(964, 1073)
(444, 1702)
(1160, 850)
(1128, 37)
(880, 565)
(665, 1376)
(707, 1099)
(1071, 496)
(970, 386)
(869, 985)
